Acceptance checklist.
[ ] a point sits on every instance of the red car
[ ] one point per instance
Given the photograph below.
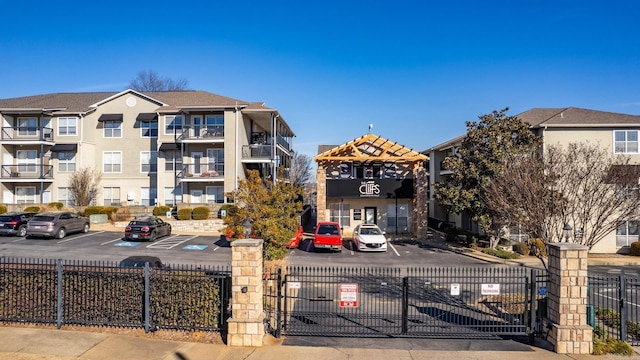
(328, 235)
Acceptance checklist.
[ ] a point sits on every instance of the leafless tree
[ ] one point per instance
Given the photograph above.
(84, 185)
(151, 81)
(581, 185)
(300, 170)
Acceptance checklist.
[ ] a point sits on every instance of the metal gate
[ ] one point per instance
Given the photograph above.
(414, 302)
(613, 309)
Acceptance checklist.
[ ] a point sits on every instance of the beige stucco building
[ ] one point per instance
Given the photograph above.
(175, 148)
(617, 133)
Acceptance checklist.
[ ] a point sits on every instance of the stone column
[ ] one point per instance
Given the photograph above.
(567, 299)
(321, 191)
(246, 327)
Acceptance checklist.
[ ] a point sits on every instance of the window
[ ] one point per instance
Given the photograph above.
(65, 196)
(66, 161)
(67, 126)
(172, 161)
(399, 212)
(149, 129)
(345, 170)
(357, 214)
(215, 194)
(148, 196)
(27, 126)
(148, 161)
(111, 196)
(112, 129)
(172, 124)
(172, 196)
(25, 194)
(112, 162)
(339, 213)
(215, 158)
(625, 141)
(27, 161)
(627, 233)
(517, 234)
(215, 125)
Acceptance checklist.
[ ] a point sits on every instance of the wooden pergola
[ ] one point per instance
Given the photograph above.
(371, 148)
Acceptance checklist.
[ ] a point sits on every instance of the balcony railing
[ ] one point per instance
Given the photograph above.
(26, 171)
(282, 141)
(257, 151)
(201, 132)
(203, 171)
(27, 133)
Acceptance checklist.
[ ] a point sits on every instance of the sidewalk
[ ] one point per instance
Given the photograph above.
(44, 344)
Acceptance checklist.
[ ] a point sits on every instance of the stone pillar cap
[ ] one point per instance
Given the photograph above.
(247, 242)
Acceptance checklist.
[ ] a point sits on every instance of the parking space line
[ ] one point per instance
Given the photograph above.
(110, 241)
(169, 244)
(394, 249)
(79, 237)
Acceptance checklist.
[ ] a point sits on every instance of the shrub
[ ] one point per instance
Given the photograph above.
(92, 210)
(184, 214)
(108, 210)
(504, 242)
(123, 213)
(161, 210)
(521, 248)
(201, 213)
(451, 235)
(501, 253)
(56, 204)
(537, 246)
(32, 209)
(635, 248)
(3, 209)
(611, 346)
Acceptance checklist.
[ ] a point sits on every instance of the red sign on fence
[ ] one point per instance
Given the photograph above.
(348, 295)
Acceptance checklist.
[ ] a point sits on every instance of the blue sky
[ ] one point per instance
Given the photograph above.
(416, 70)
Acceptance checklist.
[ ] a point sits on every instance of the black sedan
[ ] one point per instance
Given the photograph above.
(146, 228)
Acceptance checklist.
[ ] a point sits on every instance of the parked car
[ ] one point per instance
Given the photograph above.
(15, 223)
(147, 228)
(139, 261)
(369, 237)
(56, 224)
(328, 235)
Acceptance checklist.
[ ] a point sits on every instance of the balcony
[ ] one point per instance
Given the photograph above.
(26, 172)
(27, 133)
(201, 132)
(257, 152)
(282, 141)
(202, 172)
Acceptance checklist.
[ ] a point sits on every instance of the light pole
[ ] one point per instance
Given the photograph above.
(247, 228)
(566, 232)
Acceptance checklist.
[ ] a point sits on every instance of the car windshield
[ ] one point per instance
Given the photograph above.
(43, 218)
(370, 231)
(328, 229)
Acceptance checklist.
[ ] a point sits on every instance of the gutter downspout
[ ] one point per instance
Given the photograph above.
(274, 131)
(235, 160)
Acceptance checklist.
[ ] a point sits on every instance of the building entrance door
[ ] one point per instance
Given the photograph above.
(370, 215)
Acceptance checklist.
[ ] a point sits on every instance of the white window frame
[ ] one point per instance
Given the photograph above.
(24, 198)
(112, 194)
(148, 159)
(108, 159)
(148, 126)
(626, 142)
(65, 196)
(215, 160)
(112, 130)
(624, 240)
(172, 161)
(65, 123)
(168, 195)
(67, 164)
(170, 122)
(214, 194)
(31, 122)
(148, 196)
(28, 164)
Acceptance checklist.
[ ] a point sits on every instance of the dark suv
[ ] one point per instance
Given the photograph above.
(15, 223)
(147, 228)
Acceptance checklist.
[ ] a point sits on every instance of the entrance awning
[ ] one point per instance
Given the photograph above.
(147, 116)
(110, 117)
(65, 148)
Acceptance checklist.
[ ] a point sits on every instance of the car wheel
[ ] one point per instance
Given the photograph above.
(85, 228)
(153, 236)
(60, 234)
(22, 231)
(169, 232)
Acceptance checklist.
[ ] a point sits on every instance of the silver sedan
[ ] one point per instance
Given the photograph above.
(369, 237)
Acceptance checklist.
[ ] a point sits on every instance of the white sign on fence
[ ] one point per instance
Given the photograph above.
(490, 289)
(348, 295)
(294, 285)
(455, 289)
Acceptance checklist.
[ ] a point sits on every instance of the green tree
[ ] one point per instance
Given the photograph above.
(273, 209)
(478, 159)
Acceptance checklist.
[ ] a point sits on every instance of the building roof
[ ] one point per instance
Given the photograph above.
(576, 117)
(368, 148)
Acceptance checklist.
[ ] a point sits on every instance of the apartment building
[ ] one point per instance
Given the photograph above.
(170, 148)
(618, 133)
(372, 180)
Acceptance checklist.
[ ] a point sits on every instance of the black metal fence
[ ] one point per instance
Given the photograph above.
(613, 309)
(101, 293)
(416, 302)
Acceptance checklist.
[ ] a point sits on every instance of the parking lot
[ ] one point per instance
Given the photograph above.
(200, 250)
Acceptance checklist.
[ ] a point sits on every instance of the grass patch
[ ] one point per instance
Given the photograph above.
(501, 253)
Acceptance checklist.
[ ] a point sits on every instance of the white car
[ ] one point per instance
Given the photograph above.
(369, 237)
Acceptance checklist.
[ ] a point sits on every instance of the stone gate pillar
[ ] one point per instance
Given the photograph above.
(246, 327)
(567, 299)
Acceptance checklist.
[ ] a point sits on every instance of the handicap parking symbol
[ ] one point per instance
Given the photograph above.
(127, 244)
(195, 247)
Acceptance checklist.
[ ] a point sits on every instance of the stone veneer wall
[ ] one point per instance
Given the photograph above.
(321, 191)
(567, 299)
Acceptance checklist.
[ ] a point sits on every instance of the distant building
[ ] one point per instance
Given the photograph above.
(372, 180)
